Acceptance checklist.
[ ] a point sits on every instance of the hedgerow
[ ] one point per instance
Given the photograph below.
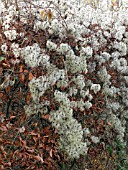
(63, 85)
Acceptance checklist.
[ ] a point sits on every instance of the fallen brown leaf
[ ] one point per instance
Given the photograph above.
(38, 158)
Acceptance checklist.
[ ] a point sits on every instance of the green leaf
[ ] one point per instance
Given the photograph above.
(1, 58)
(110, 149)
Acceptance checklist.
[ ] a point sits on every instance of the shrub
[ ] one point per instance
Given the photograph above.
(78, 56)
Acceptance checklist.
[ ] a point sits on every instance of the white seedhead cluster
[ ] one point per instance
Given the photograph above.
(71, 133)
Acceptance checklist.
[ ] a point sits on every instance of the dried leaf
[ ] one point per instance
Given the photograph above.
(16, 152)
(21, 68)
(47, 148)
(1, 94)
(3, 128)
(8, 89)
(38, 158)
(46, 13)
(28, 98)
(12, 117)
(31, 151)
(41, 145)
(50, 153)
(33, 134)
(50, 15)
(35, 139)
(46, 116)
(2, 167)
(1, 71)
(22, 142)
(30, 76)
(25, 71)
(109, 123)
(22, 77)
(43, 14)
(8, 164)
(3, 151)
